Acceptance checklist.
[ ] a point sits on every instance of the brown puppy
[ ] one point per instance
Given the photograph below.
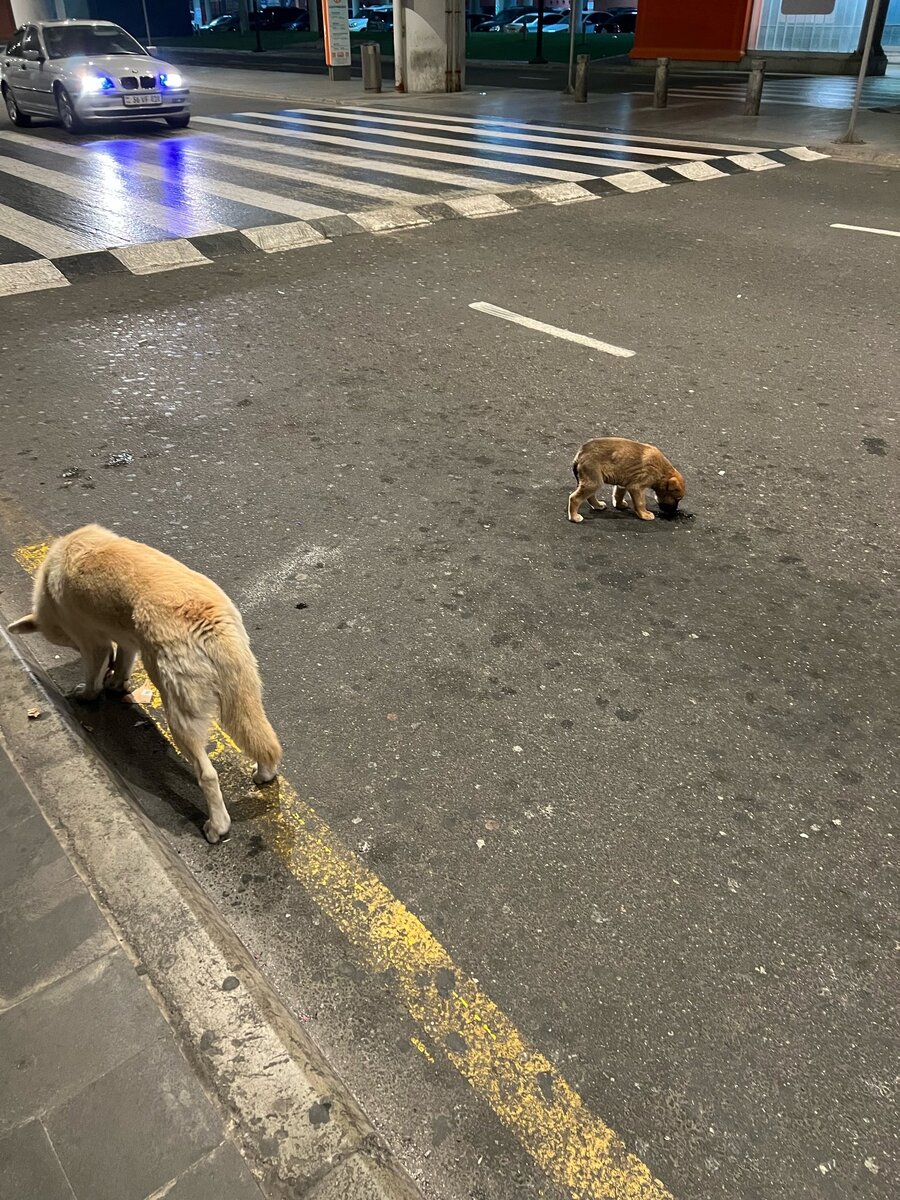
(631, 467)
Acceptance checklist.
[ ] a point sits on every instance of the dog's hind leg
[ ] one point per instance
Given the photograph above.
(586, 488)
(619, 494)
(190, 734)
(95, 661)
(596, 503)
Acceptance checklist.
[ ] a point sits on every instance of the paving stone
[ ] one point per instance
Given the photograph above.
(223, 1175)
(62, 1038)
(15, 799)
(136, 1128)
(49, 937)
(29, 1169)
(31, 861)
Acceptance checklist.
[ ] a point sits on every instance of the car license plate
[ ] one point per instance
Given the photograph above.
(147, 99)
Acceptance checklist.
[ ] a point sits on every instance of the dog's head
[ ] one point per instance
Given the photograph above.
(669, 493)
(53, 633)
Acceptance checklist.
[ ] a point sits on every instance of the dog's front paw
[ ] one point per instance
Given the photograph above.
(262, 775)
(597, 505)
(119, 687)
(576, 517)
(647, 516)
(83, 694)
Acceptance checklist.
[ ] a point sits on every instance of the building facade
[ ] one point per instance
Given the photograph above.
(792, 35)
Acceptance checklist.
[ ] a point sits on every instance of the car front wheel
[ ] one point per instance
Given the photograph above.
(180, 122)
(15, 113)
(69, 118)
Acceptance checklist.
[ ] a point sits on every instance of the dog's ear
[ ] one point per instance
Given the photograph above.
(24, 625)
(675, 484)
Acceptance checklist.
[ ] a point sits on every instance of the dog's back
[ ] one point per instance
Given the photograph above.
(621, 461)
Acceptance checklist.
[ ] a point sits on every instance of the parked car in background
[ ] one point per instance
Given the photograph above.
(380, 18)
(553, 23)
(229, 23)
(609, 22)
(529, 21)
(505, 17)
(274, 18)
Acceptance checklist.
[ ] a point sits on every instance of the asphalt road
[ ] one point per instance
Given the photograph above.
(638, 778)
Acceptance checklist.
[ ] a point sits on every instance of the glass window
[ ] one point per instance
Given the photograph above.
(837, 32)
(90, 41)
(15, 46)
(892, 25)
(31, 41)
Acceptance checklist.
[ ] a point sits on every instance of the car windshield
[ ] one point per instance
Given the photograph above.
(90, 41)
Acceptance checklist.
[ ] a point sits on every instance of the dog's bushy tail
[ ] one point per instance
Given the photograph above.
(241, 712)
(575, 470)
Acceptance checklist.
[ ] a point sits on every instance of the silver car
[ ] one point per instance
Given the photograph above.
(86, 71)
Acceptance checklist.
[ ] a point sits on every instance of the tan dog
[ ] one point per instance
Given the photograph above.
(631, 467)
(95, 589)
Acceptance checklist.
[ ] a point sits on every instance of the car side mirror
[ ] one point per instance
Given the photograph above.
(33, 56)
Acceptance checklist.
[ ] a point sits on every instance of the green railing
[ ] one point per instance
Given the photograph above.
(490, 47)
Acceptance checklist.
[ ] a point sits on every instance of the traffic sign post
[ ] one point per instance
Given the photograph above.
(337, 38)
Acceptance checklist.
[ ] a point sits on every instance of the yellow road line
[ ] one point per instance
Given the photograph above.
(573, 1146)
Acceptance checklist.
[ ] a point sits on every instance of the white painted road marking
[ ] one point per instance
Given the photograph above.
(148, 258)
(867, 229)
(554, 330)
(42, 237)
(30, 277)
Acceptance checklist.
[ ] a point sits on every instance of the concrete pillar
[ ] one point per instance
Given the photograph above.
(429, 45)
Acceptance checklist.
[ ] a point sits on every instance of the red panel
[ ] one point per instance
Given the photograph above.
(7, 24)
(708, 30)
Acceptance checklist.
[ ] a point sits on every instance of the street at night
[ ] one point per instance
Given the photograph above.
(580, 878)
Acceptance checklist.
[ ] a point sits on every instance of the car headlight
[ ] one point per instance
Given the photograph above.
(170, 79)
(96, 83)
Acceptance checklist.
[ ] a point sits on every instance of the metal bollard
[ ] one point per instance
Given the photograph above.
(581, 77)
(661, 83)
(755, 87)
(371, 66)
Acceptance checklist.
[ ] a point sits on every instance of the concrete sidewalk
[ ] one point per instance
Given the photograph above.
(142, 1052)
(97, 1102)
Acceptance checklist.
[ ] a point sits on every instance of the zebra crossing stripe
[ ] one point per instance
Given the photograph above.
(597, 141)
(252, 197)
(385, 220)
(482, 204)
(465, 160)
(562, 193)
(269, 146)
(148, 258)
(803, 153)
(753, 162)
(40, 236)
(698, 171)
(156, 216)
(293, 235)
(337, 183)
(539, 127)
(485, 141)
(635, 181)
(34, 276)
